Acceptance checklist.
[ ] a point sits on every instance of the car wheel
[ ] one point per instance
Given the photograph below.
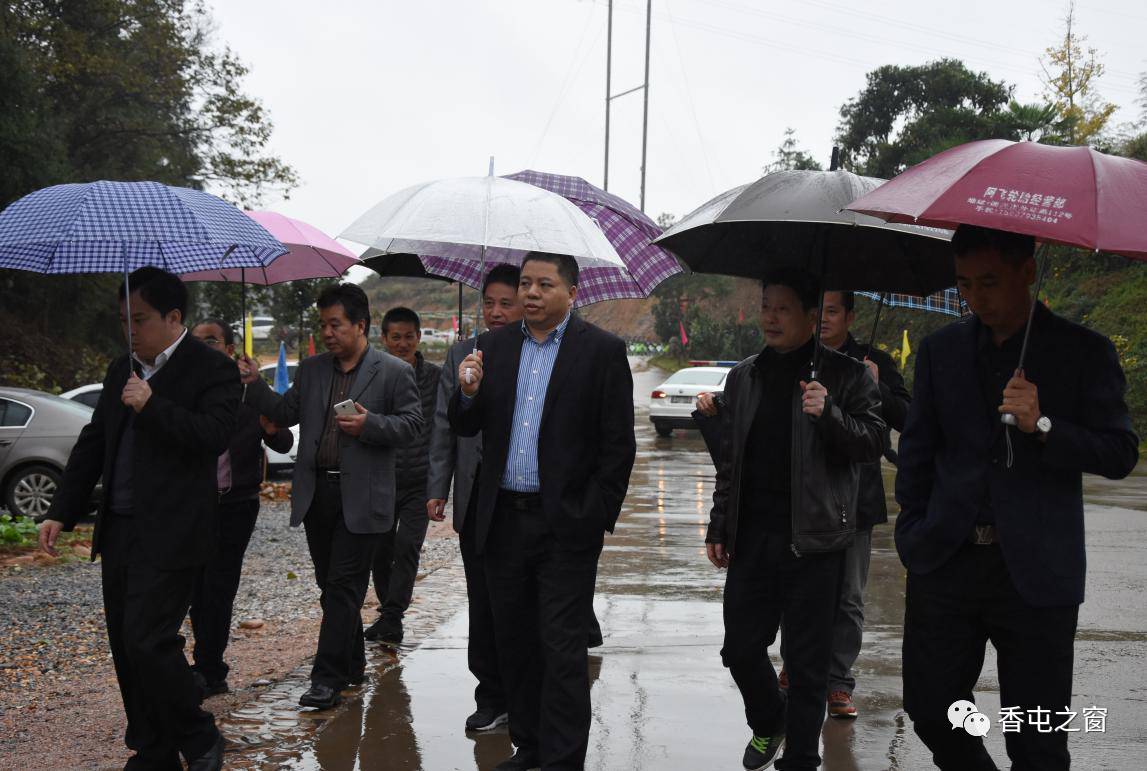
(31, 489)
(663, 429)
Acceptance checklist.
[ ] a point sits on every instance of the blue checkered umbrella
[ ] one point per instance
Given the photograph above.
(113, 227)
(947, 301)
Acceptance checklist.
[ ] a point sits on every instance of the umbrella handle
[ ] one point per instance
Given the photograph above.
(1007, 418)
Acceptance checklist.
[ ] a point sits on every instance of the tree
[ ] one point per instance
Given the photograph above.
(294, 303)
(907, 114)
(1070, 73)
(788, 156)
(118, 89)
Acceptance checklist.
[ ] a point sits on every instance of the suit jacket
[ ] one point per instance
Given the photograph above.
(951, 453)
(452, 456)
(247, 455)
(586, 445)
(179, 435)
(872, 508)
(385, 386)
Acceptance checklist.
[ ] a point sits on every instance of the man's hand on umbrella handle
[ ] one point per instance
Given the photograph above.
(470, 373)
(436, 509)
(136, 392)
(50, 530)
(873, 370)
(717, 554)
(1021, 398)
(813, 398)
(248, 369)
(706, 404)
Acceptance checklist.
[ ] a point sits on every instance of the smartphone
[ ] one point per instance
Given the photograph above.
(346, 409)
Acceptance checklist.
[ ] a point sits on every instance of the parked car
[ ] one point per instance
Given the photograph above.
(261, 327)
(37, 433)
(672, 403)
(276, 461)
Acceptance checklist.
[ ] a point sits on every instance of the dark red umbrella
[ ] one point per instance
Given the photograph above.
(1074, 196)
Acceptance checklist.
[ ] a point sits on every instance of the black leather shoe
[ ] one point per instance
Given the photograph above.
(320, 696)
(523, 760)
(206, 687)
(212, 760)
(384, 631)
(486, 719)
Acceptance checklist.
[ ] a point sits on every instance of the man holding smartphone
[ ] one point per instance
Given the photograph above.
(343, 488)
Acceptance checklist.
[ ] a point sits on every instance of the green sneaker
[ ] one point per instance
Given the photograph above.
(762, 751)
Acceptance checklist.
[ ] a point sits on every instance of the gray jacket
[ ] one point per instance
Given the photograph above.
(385, 386)
(452, 456)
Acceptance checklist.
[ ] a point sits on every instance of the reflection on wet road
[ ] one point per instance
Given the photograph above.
(661, 698)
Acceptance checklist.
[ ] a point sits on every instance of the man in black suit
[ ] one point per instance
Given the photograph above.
(991, 521)
(240, 472)
(553, 398)
(162, 420)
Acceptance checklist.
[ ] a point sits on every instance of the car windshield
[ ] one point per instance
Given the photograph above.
(696, 377)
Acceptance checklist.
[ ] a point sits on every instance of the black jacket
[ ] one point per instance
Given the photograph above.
(953, 455)
(179, 435)
(872, 508)
(586, 445)
(247, 454)
(826, 453)
(412, 462)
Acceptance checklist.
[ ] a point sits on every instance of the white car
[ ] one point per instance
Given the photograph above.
(671, 405)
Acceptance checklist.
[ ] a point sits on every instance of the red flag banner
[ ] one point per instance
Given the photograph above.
(684, 337)
(311, 346)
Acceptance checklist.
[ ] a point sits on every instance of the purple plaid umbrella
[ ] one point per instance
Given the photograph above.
(625, 226)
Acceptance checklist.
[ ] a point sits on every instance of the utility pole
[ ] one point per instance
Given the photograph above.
(609, 97)
(608, 89)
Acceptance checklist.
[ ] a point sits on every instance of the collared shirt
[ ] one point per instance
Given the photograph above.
(534, 370)
(328, 456)
(150, 369)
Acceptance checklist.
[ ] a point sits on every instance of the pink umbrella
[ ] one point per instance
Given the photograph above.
(311, 254)
(1075, 196)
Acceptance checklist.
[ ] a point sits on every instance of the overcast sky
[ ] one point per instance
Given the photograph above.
(371, 96)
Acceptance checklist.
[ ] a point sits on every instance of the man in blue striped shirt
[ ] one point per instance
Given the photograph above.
(553, 399)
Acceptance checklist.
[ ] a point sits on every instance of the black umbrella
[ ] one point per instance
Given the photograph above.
(404, 266)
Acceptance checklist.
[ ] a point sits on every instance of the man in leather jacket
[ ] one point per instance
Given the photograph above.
(784, 511)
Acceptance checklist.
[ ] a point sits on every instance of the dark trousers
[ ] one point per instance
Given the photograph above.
(950, 615)
(144, 607)
(541, 594)
(396, 559)
(482, 646)
(342, 561)
(216, 586)
(769, 587)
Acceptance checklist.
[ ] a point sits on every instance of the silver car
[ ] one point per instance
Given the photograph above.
(37, 433)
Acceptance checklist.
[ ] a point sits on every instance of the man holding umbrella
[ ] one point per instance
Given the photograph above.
(164, 416)
(553, 400)
(784, 512)
(991, 524)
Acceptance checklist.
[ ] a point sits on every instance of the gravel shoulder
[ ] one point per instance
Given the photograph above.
(56, 673)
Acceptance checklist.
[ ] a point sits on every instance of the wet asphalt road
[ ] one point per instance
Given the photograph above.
(661, 699)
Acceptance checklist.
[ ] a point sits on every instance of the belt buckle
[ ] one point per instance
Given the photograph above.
(333, 474)
(984, 535)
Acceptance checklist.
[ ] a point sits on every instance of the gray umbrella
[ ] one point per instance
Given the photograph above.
(796, 218)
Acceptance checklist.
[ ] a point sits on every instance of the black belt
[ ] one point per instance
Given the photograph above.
(983, 535)
(332, 475)
(519, 501)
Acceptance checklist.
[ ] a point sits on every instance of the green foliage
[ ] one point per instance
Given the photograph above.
(935, 106)
(789, 156)
(17, 531)
(116, 89)
(1070, 73)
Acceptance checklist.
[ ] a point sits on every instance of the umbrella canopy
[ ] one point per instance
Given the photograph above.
(106, 227)
(310, 254)
(947, 301)
(628, 230)
(455, 225)
(1074, 196)
(397, 265)
(796, 218)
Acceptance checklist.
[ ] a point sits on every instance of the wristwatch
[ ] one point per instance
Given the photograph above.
(1043, 425)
